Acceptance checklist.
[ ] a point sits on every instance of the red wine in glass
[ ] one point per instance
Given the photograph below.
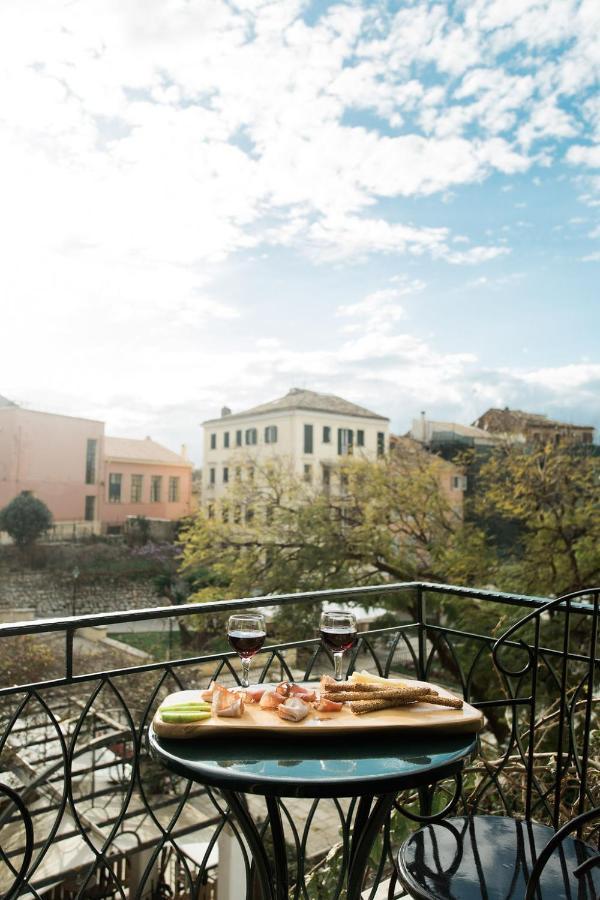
(338, 639)
(246, 633)
(246, 643)
(338, 634)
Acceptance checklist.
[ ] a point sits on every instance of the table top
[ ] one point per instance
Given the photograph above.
(324, 766)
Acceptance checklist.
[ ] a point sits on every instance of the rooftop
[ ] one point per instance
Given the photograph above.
(298, 398)
(508, 420)
(147, 451)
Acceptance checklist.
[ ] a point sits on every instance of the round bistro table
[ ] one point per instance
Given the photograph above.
(371, 769)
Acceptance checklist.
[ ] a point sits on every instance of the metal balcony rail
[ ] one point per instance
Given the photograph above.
(85, 812)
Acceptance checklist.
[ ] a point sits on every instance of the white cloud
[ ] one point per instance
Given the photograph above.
(587, 156)
(149, 146)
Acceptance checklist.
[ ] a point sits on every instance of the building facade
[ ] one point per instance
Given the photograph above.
(57, 458)
(143, 478)
(308, 431)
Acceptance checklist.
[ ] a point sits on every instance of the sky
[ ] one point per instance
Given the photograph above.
(208, 203)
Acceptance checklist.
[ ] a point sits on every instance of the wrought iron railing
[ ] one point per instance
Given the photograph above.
(85, 812)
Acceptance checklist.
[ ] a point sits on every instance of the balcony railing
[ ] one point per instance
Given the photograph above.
(85, 812)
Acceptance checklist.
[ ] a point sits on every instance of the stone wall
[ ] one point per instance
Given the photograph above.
(51, 593)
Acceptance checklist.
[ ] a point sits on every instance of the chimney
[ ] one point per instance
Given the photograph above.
(184, 451)
(225, 411)
(148, 438)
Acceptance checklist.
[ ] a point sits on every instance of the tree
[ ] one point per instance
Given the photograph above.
(25, 519)
(550, 496)
(376, 522)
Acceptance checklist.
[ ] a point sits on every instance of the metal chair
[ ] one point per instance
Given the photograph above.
(495, 857)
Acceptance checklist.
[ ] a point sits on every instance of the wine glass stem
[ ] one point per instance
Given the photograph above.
(337, 663)
(245, 671)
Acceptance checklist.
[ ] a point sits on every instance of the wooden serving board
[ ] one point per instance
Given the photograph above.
(416, 717)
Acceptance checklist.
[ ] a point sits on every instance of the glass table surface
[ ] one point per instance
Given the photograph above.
(339, 766)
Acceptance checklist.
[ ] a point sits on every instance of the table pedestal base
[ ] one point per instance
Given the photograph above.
(272, 876)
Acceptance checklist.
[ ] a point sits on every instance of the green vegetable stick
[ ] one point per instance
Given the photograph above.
(202, 705)
(180, 717)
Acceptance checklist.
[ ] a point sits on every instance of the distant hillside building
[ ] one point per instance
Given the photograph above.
(523, 427)
(309, 430)
(89, 482)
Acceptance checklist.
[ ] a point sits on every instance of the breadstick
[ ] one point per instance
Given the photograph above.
(330, 686)
(408, 694)
(452, 702)
(359, 707)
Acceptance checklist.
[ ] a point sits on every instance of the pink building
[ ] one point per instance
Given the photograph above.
(88, 481)
(143, 478)
(57, 458)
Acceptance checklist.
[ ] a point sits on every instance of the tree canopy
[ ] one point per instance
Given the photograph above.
(25, 519)
(375, 522)
(393, 520)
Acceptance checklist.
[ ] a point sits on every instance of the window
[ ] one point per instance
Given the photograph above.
(238, 439)
(211, 476)
(345, 441)
(308, 473)
(136, 488)
(326, 475)
(226, 439)
(173, 489)
(249, 514)
(237, 514)
(238, 473)
(211, 511)
(380, 443)
(90, 461)
(459, 482)
(251, 436)
(326, 434)
(90, 509)
(225, 512)
(271, 434)
(155, 488)
(308, 439)
(360, 438)
(213, 441)
(114, 488)
(225, 474)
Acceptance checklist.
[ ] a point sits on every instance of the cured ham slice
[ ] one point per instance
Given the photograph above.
(325, 705)
(284, 688)
(255, 692)
(226, 703)
(271, 699)
(303, 693)
(208, 694)
(293, 709)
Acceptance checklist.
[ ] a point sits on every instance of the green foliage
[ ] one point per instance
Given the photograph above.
(25, 519)
(552, 495)
(381, 521)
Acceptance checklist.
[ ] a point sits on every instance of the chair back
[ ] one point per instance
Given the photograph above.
(548, 664)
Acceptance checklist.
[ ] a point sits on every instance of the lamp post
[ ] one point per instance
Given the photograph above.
(75, 574)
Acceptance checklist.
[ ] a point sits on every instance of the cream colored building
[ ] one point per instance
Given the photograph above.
(311, 432)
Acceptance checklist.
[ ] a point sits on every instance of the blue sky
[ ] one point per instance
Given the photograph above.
(211, 203)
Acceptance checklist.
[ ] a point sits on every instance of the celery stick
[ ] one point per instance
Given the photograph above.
(186, 706)
(181, 717)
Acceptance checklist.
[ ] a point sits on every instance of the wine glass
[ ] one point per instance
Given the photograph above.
(246, 633)
(338, 634)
